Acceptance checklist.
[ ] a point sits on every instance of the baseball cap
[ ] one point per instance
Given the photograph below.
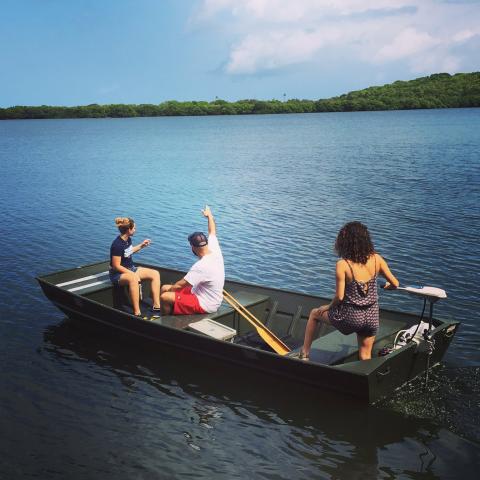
(198, 239)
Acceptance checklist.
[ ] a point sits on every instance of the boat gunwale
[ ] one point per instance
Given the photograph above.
(227, 280)
(441, 323)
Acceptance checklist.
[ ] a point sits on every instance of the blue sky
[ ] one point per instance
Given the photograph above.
(77, 52)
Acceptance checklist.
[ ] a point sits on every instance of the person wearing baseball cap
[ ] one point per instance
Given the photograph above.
(200, 291)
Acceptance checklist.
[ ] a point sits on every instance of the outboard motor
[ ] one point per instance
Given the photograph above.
(423, 329)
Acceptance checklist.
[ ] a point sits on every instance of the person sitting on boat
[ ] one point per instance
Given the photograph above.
(354, 309)
(124, 272)
(200, 291)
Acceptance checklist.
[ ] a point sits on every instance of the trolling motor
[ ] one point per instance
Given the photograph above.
(431, 295)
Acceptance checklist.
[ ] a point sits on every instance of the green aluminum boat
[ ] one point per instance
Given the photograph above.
(85, 294)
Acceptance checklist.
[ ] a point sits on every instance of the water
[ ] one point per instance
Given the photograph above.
(88, 404)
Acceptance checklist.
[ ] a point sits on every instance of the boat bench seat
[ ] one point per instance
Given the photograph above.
(247, 299)
(87, 284)
(334, 347)
(95, 285)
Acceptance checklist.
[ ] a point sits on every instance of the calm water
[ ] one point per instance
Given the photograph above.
(87, 404)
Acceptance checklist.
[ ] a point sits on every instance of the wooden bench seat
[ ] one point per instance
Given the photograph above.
(99, 288)
(223, 315)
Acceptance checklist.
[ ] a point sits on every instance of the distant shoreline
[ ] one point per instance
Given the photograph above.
(107, 117)
(440, 90)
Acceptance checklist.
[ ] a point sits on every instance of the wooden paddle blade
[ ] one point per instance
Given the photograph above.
(276, 344)
(269, 337)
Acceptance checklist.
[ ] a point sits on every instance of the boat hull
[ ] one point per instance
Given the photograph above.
(367, 381)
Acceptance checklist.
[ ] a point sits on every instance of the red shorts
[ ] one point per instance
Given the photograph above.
(186, 302)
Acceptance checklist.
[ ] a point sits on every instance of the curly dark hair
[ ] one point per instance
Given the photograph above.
(354, 243)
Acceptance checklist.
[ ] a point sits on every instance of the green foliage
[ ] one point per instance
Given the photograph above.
(440, 90)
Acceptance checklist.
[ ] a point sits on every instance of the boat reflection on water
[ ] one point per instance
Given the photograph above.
(334, 434)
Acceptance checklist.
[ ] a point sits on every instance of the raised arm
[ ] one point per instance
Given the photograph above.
(212, 228)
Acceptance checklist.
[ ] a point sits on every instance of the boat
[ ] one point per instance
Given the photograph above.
(231, 335)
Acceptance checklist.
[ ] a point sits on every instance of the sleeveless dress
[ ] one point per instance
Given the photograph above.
(358, 311)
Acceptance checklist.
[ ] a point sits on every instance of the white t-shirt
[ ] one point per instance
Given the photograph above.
(207, 277)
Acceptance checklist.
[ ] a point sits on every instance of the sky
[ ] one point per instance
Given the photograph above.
(79, 52)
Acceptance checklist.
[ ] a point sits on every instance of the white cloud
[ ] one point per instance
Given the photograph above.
(465, 35)
(434, 61)
(406, 44)
(294, 11)
(272, 50)
(271, 34)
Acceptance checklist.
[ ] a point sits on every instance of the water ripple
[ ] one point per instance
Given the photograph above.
(280, 188)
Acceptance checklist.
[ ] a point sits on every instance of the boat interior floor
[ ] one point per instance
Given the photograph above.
(335, 348)
(331, 348)
(223, 315)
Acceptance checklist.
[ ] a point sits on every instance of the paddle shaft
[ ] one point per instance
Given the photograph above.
(270, 338)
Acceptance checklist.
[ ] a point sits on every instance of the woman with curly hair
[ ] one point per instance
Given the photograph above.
(354, 309)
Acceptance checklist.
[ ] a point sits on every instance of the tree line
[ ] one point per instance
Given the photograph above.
(440, 90)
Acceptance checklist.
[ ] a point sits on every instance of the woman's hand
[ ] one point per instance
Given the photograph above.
(389, 286)
(318, 312)
(142, 245)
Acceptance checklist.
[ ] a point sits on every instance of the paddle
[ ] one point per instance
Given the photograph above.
(269, 337)
(432, 293)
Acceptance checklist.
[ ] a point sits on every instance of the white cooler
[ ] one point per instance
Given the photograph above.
(213, 329)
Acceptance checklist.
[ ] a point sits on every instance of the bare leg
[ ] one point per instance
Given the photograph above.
(316, 315)
(365, 345)
(167, 301)
(154, 277)
(131, 280)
